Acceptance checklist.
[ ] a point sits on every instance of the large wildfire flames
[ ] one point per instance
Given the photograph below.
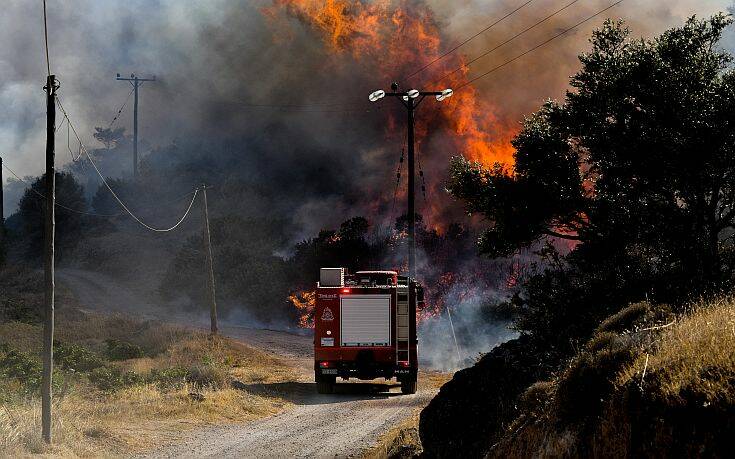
(400, 37)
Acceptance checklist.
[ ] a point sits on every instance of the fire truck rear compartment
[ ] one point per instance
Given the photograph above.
(365, 320)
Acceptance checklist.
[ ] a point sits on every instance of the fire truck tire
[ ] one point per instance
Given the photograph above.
(325, 385)
(408, 386)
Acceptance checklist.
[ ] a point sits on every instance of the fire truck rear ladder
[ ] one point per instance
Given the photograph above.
(402, 321)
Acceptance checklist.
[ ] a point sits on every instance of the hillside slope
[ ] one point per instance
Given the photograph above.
(648, 383)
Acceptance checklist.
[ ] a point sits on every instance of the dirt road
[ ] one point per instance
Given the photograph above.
(346, 423)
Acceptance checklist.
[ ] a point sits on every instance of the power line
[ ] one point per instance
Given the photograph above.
(527, 29)
(122, 107)
(318, 104)
(306, 108)
(83, 149)
(68, 121)
(122, 204)
(467, 40)
(94, 214)
(43, 196)
(539, 45)
(398, 183)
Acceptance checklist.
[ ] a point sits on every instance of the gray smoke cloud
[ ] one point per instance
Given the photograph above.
(277, 117)
(217, 60)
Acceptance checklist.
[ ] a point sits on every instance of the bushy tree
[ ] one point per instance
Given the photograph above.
(249, 274)
(69, 214)
(635, 168)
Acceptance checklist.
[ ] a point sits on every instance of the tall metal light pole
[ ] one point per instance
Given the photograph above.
(411, 100)
(136, 82)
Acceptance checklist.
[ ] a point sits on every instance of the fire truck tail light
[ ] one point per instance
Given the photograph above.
(324, 364)
(345, 290)
(403, 364)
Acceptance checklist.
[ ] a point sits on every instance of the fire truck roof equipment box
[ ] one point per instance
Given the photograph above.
(331, 277)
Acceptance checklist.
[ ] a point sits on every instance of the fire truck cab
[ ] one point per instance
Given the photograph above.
(365, 327)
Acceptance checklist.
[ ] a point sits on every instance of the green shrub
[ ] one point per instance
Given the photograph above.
(169, 378)
(121, 350)
(26, 369)
(76, 358)
(110, 379)
(23, 367)
(20, 310)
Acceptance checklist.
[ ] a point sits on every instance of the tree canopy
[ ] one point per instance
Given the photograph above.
(635, 167)
(70, 203)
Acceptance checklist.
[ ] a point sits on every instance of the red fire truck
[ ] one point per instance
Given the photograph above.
(365, 327)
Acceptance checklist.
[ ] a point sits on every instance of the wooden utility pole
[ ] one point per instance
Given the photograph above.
(136, 82)
(2, 210)
(210, 264)
(48, 326)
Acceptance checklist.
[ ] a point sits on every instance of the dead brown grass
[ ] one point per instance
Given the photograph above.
(89, 422)
(672, 394)
(694, 353)
(403, 440)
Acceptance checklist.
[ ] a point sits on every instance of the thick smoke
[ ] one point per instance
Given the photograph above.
(218, 61)
(270, 109)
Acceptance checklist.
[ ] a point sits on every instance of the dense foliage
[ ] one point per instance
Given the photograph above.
(627, 187)
(635, 169)
(70, 203)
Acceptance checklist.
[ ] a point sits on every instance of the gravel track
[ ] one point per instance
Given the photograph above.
(343, 424)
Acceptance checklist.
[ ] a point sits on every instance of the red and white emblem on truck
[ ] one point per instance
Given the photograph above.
(327, 314)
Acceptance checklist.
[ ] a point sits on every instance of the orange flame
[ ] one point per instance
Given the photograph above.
(398, 38)
(304, 302)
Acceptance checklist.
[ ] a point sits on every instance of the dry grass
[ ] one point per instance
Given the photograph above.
(695, 353)
(90, 422)
(672, 393)
(402, 440)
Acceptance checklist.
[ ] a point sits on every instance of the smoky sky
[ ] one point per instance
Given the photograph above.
(293, 113)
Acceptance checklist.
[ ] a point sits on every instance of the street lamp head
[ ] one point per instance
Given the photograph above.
(414, 93)
(376, 95)
(447, 93)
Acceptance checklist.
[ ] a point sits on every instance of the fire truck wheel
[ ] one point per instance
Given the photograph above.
(325, 384)
(408, 386)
